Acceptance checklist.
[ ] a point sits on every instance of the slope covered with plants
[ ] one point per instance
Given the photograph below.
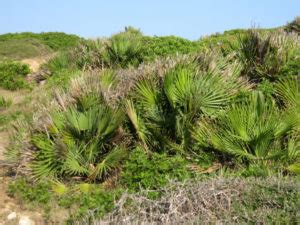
(133, 113)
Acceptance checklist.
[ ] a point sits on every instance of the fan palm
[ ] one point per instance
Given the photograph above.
(294, 26)
(263, 56)
(79, 143)
(288, 92)
(124, 50)
(163, 110)
(252, 130)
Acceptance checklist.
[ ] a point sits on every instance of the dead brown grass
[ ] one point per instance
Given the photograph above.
(214, 201)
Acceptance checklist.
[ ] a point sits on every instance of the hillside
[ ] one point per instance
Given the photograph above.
(30, 45)
(153, 130)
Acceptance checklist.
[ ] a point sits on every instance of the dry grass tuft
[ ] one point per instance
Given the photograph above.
(218, 201)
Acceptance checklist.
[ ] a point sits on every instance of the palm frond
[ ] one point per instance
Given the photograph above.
(110, 162)
(248, 130)
(138, 123)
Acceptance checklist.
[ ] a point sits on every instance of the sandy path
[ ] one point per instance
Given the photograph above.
(9, 207)
(35, 63)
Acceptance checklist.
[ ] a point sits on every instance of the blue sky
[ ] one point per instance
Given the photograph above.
(190, 18)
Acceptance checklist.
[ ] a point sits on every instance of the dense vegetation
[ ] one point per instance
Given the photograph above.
(12, 75)
(26, 45)
(134, 112)
(54, 40)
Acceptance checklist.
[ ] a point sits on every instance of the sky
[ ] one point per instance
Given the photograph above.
(189, 19)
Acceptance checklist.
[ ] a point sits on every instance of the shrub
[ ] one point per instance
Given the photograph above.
(264, 56)
(79, 198)
(98, 201)
(61, 61)
(293, 26)
(124, 50)
(12, 75)
(152, 171)
(253, 130)
(162, 111)
(61, 78)
(89, 54)
(55, 40)
(292, 67)
(77, 142)
(22, 189)
(155, 47)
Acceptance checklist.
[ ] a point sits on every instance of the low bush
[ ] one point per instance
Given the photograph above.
(76, 142)
(124, 50)
(61, 78)
(265, 56)
(155, 47)
(12, 75)
(80, 199)
(61, 61)
(22, 189)
(254, 131)
(162, 111)
(55, 40)
(293, 26)
(153, 171)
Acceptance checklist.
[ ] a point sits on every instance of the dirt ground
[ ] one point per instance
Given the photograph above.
(11, 211)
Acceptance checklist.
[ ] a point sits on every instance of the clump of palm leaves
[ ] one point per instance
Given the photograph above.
(288, 93)
(79, 133)
(121, 50)
(263, 55)
(293, 26)
(124, 49)
(163, 110)
(81, 141)
(89, 54)
(253, 131)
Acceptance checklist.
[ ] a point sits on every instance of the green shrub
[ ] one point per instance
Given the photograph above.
(292, 67)
(162, 111)
(253, 130)
(264, 56)
(77, 142)
(55, 40)
(60, 61)
(42, 194)
(28, 192)
(61, 78)
(97, 200)
(293, 26)
(152, 171)
(155, 47)
(124, 50)
(12, 75)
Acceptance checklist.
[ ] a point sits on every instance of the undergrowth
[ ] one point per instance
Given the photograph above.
(134, 114)
(12, 75)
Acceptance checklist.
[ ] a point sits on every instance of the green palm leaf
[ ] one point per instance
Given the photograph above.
(110, 162)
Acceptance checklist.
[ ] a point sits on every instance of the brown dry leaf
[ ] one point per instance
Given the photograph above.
(200, 170)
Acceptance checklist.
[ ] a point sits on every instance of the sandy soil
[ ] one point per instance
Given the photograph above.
(11, 211)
